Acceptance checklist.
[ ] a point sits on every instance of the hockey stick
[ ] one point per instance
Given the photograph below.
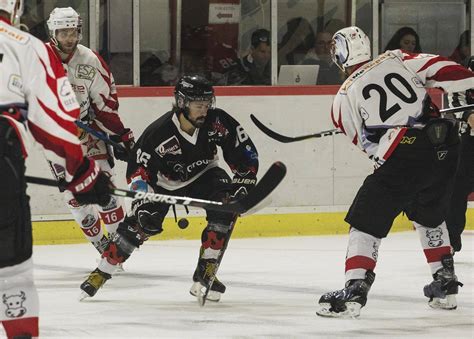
(101, 136)
(270, 180)
(457, 109)
(285, 139)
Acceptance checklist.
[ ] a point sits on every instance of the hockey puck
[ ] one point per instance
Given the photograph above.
(183, 223)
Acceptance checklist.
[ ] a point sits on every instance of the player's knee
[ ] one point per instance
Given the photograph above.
(130, 233)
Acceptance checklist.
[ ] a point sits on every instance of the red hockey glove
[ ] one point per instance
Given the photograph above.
(90, 185)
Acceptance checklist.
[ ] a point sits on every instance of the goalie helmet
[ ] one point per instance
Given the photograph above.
(351, 46)
(14, 7)
(193, 88)
(63, 18)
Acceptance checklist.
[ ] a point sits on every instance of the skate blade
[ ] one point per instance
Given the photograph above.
(83, 296)
(196, 291)
(352, 311)
(449, 303)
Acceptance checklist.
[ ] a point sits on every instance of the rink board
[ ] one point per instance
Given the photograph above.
(260, 225)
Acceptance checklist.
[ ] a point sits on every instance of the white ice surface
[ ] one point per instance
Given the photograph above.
(273, 285)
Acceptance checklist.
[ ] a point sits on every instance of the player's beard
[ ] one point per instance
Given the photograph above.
(198, 122)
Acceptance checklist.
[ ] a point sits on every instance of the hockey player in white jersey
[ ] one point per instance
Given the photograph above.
(384, 109)
(36, 99)
(94, 86)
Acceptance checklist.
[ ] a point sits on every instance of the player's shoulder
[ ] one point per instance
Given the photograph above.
(217, 113)
(159, 128)
(87, 55)
(13, 35)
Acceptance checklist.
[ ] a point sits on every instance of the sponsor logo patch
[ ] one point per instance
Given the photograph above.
(86, 72)
(66, 94)
(169, 146)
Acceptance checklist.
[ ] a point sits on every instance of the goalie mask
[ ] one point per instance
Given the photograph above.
(351, 46)
(193, 88)
(14, 7)
(60, 22)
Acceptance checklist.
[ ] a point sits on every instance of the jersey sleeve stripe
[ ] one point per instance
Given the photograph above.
(71, 153)
(65, 124)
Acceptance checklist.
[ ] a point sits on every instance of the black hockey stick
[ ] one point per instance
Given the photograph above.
(285, 139)
(270, 180)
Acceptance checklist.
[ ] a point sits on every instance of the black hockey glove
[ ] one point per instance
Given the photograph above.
(90, 185)
(125, 139)
(149, 216)
(241, 186)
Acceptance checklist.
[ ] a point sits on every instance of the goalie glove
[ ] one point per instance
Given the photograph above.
(125, 139)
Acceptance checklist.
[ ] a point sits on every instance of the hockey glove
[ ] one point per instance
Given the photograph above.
(90, 185)
(149, 216)
(125, 139)
(241, 186)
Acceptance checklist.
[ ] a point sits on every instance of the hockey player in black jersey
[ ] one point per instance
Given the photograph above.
(177, 154)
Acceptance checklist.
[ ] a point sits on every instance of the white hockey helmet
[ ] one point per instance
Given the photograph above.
(62, 18)
(14, 7)
(351, 46)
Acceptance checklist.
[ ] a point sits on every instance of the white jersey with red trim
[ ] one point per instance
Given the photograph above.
(381, 99)
(96, 93)
(34, 81)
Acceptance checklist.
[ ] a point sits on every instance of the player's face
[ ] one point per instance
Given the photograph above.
(198, 112)
(67, 39)
(261, 54)
(408, 43)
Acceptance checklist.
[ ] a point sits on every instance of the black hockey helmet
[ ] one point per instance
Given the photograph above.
(193, 88)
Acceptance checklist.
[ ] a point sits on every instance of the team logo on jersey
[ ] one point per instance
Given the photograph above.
(218, 130)
(66, 94)
(15, 84)
(169, 146)
(86, 72)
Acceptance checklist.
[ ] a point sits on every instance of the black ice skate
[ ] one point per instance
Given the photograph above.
(444, 287)
(348, 301)
(96, 280)
(202, 275)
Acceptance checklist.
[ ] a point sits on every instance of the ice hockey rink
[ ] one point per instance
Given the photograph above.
(273, 285)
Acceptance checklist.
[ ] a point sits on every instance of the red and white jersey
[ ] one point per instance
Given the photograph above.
(33, 79)
(96, 93)
(382, 98)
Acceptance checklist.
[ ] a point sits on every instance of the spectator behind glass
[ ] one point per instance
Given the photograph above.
(406, 39)
(321, 55)
(462, 52)
(296, 42)
(257, 63)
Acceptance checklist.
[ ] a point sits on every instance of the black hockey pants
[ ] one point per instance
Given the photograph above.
(15, 219)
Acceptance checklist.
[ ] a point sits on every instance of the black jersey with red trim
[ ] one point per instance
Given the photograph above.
(168, 157)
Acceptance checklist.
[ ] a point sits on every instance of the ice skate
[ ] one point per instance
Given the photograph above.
(92, 284)
(444, 287)
(346, 303)
(201, 276)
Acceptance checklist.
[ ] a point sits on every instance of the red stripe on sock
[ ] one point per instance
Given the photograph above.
(360, 261)
(18, 327)
(435, 254)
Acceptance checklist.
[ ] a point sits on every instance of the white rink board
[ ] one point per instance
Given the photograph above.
(321, 172)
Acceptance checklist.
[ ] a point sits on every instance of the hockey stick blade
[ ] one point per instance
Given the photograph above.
(285, 139)
(270, 180)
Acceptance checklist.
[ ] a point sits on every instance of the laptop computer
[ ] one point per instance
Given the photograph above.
(298, 74)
